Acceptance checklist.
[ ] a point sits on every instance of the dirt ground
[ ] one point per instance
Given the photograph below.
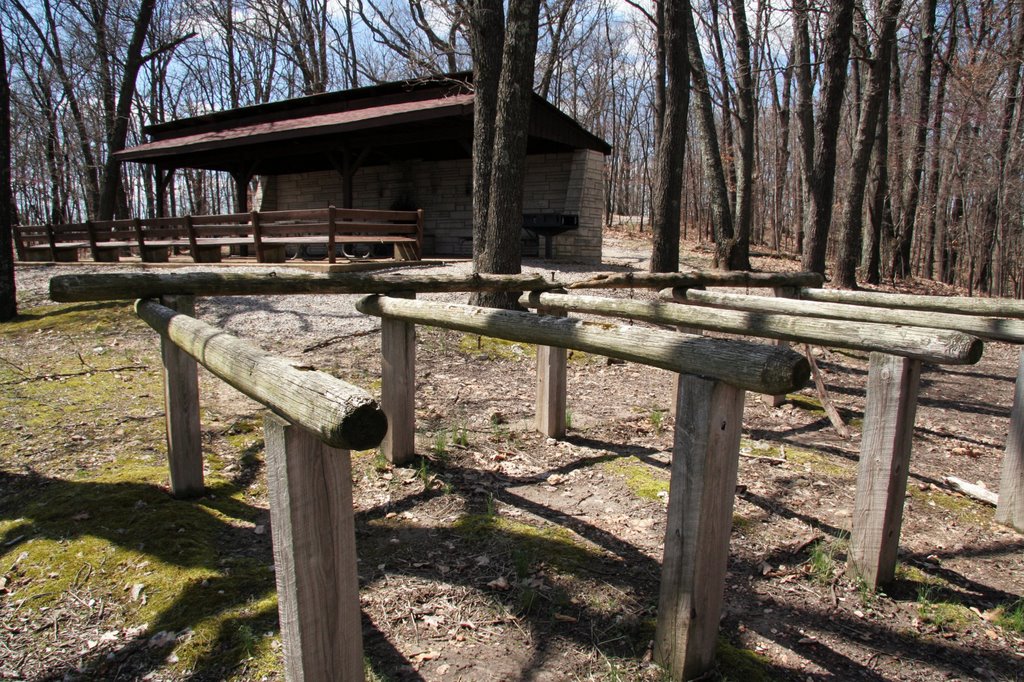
(500, 554)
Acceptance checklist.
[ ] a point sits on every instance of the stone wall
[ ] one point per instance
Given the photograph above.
(555, 183)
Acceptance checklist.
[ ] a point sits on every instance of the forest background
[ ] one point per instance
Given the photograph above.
(881, 138)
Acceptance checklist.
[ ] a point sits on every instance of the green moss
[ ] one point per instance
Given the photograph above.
(739, 664)
(487, 348)
(817, 462)
(527, 545)
(75, 319)
(806, 402)
(960, 507)
(106, 521)
(645, 481)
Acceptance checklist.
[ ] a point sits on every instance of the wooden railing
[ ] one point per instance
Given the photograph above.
(269, 233)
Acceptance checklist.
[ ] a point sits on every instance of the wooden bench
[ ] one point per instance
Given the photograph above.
(274, 232)
(206, 236)
(62, 243)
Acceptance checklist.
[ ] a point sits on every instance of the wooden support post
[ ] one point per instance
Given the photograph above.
(1011, 487)
(884, 462)
(398, 387)
(181, 409)
(704, 461)
(778, 399)
(551, 384)
(332, 233)
(314, 536)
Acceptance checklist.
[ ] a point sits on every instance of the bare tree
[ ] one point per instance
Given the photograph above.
(8, 293)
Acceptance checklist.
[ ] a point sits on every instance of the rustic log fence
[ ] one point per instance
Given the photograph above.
(713, 376)
(315, 420)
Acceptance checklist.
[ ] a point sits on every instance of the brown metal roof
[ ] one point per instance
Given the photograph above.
(293, 128)
(428, 118)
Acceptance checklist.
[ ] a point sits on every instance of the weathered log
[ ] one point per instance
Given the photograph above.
(924, 344)
(117, 286)
(976, 492)
(699, 278)
(755, 367)
(342, 415)
(1011, 331)
(960, 305)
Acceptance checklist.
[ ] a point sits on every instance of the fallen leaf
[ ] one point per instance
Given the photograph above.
(137, 589)
(162, 639)
(563, 618)
(498, 584)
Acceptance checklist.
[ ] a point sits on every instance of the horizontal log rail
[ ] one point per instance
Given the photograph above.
(699, 278)
(755, 367)
(944, 347)
(127, 286)
(960, 305)
(1011, 331)
(342, 415)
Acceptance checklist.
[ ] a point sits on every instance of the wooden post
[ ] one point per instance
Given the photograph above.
(884, 462)
(254, 218)
(551, 384)
(778, 399)
(314, 554)
(704, 461)
(1011, 487)
(398, 386)
(181, 409)
(332, 232)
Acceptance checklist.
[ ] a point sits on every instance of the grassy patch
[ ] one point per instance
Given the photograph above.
(806, 403)
(645, 481)
(937, 607)
(826, 557)
(1011, 616)
(487, 348)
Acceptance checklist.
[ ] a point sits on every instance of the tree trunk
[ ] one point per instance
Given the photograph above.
(822, 187)
(912, 189)
(852, 220)
(804, 113)
(711, 157)
(502, 252)
(671, 143)
(745, 156)
(930, 237)
(878, 208)
(8, 296)
(487, 37)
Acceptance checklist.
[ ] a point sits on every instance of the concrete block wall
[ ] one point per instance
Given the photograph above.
(555, 183)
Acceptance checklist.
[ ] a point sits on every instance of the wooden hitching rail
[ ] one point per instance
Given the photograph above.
(1010, 508)
(268, 232)
(959, 313)
(705, 449)
(315, 419)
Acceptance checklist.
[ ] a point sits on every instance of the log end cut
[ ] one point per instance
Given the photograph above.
(364, 427)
